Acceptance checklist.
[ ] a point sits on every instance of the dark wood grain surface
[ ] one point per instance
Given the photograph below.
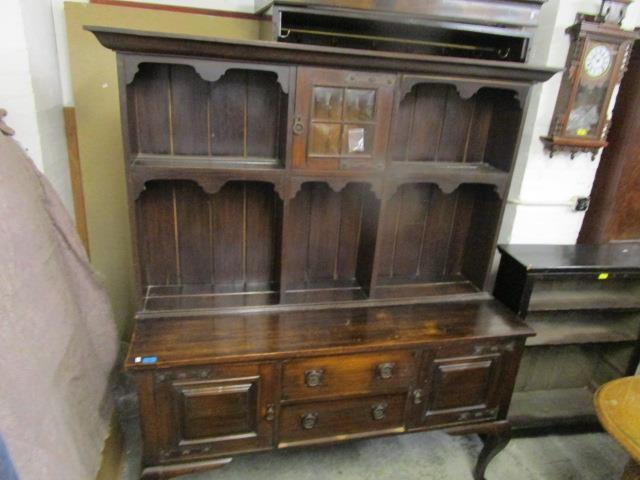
(610, 257)
(221, 338)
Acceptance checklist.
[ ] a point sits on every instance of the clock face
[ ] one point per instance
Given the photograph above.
(597, 61)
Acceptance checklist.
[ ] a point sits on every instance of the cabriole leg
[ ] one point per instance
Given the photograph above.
(494, 442)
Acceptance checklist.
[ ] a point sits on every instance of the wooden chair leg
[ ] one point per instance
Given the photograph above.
(494, 442)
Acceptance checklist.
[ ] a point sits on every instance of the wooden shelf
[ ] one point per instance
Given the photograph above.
(448, 175)
(568, 301)
(580, 331)
(224, 163)
(328, 291)
(552, 408)
(202, 297)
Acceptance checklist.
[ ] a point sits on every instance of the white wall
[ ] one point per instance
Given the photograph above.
(30, 88)
(544, 190)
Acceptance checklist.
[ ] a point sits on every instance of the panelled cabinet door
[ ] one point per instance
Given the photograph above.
(459, 385)
(341, 119)
(212, 411)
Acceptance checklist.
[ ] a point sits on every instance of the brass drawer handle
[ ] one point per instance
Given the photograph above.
(309, 420)
(313, 378)
(379, 411)
(385, 370)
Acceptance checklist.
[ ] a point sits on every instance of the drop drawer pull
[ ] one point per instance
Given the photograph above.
(379, 411)
(313, 378)
(385, 370)
(309, 420)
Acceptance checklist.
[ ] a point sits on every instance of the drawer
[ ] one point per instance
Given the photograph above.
(347, 374)
(323, 420)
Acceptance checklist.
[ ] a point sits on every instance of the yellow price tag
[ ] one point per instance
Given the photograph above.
(603, 276)
(582, 132)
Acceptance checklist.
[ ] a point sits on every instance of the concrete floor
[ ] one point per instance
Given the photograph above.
(421, 456)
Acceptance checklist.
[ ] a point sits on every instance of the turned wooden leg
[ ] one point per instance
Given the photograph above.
(170, 471)
(494, 442)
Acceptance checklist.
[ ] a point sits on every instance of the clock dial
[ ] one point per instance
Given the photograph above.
(598, 61)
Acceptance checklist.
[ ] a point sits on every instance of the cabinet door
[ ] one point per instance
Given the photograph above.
(461, 384)
(342, 119)
(213, 411)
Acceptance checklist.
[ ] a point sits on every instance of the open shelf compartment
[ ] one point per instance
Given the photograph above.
(434, 243)
(436, 124)
(611, 291)
(555, 385)
(330, 242)
(177, 117)
(199, 250)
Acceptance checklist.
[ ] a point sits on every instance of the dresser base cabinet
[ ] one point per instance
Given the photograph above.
(373, 371)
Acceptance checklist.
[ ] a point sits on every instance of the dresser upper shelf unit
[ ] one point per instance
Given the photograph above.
(263, 173)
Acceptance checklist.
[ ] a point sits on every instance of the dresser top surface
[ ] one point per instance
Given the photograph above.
(249, 337)
(545, 258)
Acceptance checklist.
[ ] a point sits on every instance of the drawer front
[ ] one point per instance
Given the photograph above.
(316, 421)
(347, 374)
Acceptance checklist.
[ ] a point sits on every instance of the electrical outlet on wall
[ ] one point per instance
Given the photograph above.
(581, 204)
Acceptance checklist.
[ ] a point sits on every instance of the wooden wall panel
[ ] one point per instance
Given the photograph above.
(456, 128)
(434, 124)
(263, 114)
(193, 212)
(324, 229)
(424, 232)
(229, 240)
(189, 105)
(157, 227)
(263, 225)
(427, 108)
(175, 111)
(152, 108)
(228, 105)
(229, 236)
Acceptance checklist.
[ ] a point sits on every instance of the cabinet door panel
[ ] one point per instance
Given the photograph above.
(460, 384)
(342, 119)
(211, 411)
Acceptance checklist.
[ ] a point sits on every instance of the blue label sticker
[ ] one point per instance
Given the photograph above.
(148, 360)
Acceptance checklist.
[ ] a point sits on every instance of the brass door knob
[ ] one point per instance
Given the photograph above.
(313, 378)
(309, 420)
(298, 126)
(379, 411)
(270, 414)
(385, 370)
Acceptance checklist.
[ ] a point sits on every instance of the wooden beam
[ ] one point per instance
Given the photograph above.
(75, 172)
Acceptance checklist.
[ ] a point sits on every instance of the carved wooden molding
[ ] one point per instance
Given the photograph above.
(446, 186)
(209, 70)
(465, 88)
(210, 184)
(336, 184)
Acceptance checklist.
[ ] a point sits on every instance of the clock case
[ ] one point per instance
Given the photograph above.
(584, 34)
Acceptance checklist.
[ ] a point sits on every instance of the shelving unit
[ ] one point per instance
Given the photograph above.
(354, 213)
(583, 301)
(285, 256)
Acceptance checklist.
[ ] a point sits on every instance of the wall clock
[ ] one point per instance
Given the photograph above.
(595, 65)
